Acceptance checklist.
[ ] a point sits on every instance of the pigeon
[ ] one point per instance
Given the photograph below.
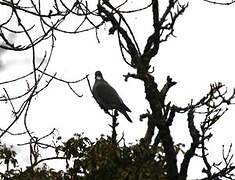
(107, 97)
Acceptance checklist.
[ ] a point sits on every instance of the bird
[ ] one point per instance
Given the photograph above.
(107, 97)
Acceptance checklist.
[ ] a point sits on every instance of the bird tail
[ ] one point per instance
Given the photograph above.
(126, 115)
(124, 107)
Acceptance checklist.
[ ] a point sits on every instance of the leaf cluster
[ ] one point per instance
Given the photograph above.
(100, 160)
(7, 156)
(107, 160)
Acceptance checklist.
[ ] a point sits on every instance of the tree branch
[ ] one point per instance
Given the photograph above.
(194, 145)
(220, 3)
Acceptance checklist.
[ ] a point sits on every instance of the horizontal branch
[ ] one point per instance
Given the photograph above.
(220, 3)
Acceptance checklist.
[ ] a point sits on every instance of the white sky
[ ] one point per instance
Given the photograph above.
(202, 53)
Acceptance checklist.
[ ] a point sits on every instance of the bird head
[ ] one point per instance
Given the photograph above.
(98, 75)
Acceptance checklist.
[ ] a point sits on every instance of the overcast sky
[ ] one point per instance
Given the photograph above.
(202, 53)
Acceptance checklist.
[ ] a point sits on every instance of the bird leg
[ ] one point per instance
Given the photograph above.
(107, 112)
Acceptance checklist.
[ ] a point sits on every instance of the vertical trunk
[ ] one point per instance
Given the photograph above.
(157, 120)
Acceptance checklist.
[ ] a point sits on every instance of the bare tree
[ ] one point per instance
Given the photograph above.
(36, 22)
(49, 18)
(162, 113)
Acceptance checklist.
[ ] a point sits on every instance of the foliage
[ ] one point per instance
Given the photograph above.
(7, 156)
(107, 160)
(101, 160)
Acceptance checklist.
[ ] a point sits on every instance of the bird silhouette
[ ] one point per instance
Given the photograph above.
(107, 97)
